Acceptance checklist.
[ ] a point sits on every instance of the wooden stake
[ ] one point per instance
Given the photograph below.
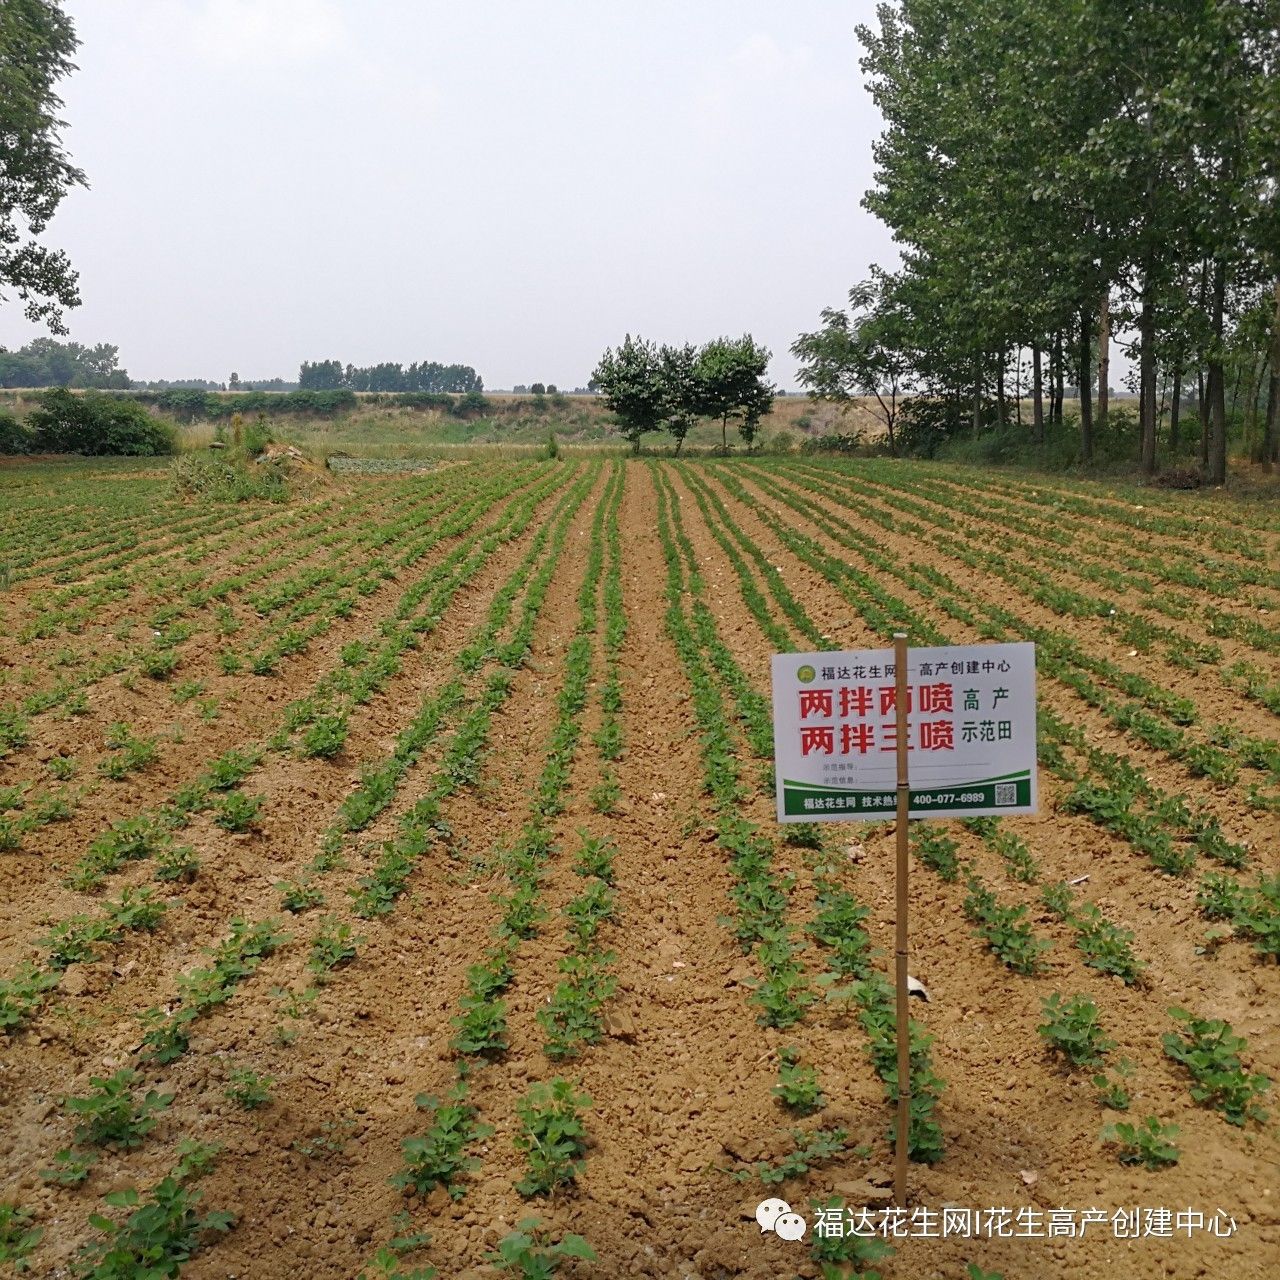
(900, 948)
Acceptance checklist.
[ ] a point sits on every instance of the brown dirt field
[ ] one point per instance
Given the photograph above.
(681, 1081)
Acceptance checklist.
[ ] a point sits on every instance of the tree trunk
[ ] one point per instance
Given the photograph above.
(1147, 375)
(1271, 435)
(1017, 387)
(724, 433)
(1175, 410)
(1086, 394)
(679, 445)
(1002, 409)
(977, 406)
(1104, 356)
(1202, 408)
(1217, 467)
(1037, 395)
(1059, 378)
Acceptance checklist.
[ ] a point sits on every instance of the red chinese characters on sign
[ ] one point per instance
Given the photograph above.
(857, 702)
(815, 702)
(818, 738)
(935, 697)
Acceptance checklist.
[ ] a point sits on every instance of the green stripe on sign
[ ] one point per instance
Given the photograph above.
(992, 793)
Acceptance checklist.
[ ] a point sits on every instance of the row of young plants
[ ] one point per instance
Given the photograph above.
(159, 656)
(886, 613)
(1152, 574)
(216, 789)
(376, 555)
(1145, 511)
(55, 609)
(380, 780)
(1209, 1049)
(334, 944)
(460, 764)
(106, 522)
(837, 924)
(239, 956)
(1153, 718)
(1137, 630)
(785, 991)
(552, 1134)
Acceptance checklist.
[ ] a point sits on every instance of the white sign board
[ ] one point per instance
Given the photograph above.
(971, 732)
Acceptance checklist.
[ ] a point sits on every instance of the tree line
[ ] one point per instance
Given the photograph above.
(332, 375)
(45, 362)
(668, 388)
(1059, 176)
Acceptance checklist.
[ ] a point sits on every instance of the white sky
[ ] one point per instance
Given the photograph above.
(508, 185)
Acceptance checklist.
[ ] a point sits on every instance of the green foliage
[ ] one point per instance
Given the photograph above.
(552, 1137)
(571, 1018)
(527, 1252)
(176, 862)
(1005, 930)
(438, 1159)
(595, 858)
(161, 1233)
(936, 850)
(22, 995)
(482, 1027)
(732, 381)
(17, 1236)
(236, 811)
(112, 1116)
(297, 896)
(1149, 1143)
(632, 386)
(234, 478)
(1210, 1051)
(811, 1149)
(1071, 1028)
(94, 424)
(129, 753)
(325, 737)
(332, 947)
(70, 1167)
(844, 1257)
(797, 1086)
(1114, 1094)
(249, 1090)
(606, 795)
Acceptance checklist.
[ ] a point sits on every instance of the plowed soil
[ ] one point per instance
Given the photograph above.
(683, 1115)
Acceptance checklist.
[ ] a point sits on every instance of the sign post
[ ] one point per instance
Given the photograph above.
(960, 722)
(900, 948)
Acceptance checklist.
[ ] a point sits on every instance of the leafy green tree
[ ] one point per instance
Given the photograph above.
(864, 352)
(323, 375)
(682, 389)
(631, 382)
(732, 372)
(538, 388)
(36, 43)
(46, 362)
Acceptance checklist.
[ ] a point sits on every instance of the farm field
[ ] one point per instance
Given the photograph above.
(414, 845)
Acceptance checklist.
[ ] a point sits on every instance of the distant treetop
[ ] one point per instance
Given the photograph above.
(332, 375)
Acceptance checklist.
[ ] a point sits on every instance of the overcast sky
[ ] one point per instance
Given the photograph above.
(511, 184)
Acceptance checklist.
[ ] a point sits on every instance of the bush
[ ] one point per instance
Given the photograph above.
(14, 437)
(227, 480)
(471, 404)
(97, 425)
(780, 442)
(836, 442)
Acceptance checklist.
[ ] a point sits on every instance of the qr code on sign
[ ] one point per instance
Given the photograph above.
(1006, 793)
